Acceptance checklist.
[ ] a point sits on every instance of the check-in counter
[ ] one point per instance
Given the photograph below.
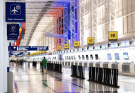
(114, 65)
(105, 65)
(97, 64)
(132, 68)
(126, 67)
(85, 64)
(91, 64)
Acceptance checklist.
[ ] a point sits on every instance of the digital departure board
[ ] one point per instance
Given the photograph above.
(125, 43)
(75, 50)
(80, 49)
(97, 47)
(105, 46)
(109, 56)
(116, 56)
(91, 48)
(114, 45)
(125, 55)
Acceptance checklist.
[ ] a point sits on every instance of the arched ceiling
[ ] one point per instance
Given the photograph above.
(38, 16)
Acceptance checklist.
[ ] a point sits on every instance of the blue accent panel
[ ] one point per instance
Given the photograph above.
(68, 29)
(15, 12)
(8, 69)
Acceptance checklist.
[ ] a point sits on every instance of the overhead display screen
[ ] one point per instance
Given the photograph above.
(85, 49)
(91, 48)
(80, 49)
(75, 50)
(72, 51)
(134, 42)
(105, 46)
(114, 45)
(116, 56)
(125, 43)
(97, 47)
(125, 55)
(109, 56)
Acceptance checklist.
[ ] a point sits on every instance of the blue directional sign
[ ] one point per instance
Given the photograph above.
(27, 48)
(15, 12)
(12, 31)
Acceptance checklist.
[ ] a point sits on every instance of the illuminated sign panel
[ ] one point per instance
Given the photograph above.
(66, 46)
(76, 43)
(113, 35)
(90, 40)
(58, 47)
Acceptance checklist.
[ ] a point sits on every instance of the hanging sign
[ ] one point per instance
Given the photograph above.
(15, 12)
(12, 31)
(66, 46)
(58, 47)
(76, 43)
(113, 35)
(27, 48)
(90, 40)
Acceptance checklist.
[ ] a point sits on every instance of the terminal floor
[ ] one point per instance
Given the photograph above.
(29, 79)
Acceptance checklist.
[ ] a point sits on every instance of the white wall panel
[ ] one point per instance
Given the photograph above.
(125, 24)
(129, 24)
(102, 16)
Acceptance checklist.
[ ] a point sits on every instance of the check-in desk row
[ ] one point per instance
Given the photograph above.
(122, 67)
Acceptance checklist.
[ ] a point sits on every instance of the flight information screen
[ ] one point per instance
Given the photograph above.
(125, 55)
(80, 49)
(116, 56)
(114, 45)
(97, 47)
(125, 43)
(109, 56)
(91, 48)
(105, 46)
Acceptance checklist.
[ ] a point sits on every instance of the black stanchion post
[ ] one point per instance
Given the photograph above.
(93, 73)
(105, 76)
(115, 78)
(100, 75)
(80, 72)
(60, 69)
(89, 73)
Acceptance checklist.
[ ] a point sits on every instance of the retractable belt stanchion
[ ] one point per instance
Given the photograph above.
(54, 67)
(80, 72)
(77, 71)
(104, 76)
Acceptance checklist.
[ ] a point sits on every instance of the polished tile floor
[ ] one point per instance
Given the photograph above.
(29, 79)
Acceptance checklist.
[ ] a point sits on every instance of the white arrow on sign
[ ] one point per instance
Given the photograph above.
(14, 47)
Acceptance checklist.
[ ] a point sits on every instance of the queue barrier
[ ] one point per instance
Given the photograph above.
(54, 67)
(20, 62)
(77, 71)
(104, 76)
(34, 63)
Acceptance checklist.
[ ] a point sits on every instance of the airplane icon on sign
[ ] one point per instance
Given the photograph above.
(14, 10)
(14, 47)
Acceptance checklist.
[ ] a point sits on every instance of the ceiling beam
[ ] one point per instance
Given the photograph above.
(47, 5)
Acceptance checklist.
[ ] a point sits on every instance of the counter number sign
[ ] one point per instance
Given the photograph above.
(76, 43)
(58, 47)
(66, 46)
(90, 40)
(113, 35)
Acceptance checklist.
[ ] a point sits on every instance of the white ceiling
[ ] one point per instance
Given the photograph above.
(33, 9)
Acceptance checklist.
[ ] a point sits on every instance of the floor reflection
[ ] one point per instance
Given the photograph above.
(29, 79)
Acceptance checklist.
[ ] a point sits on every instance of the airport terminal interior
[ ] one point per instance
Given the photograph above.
(67, 46)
